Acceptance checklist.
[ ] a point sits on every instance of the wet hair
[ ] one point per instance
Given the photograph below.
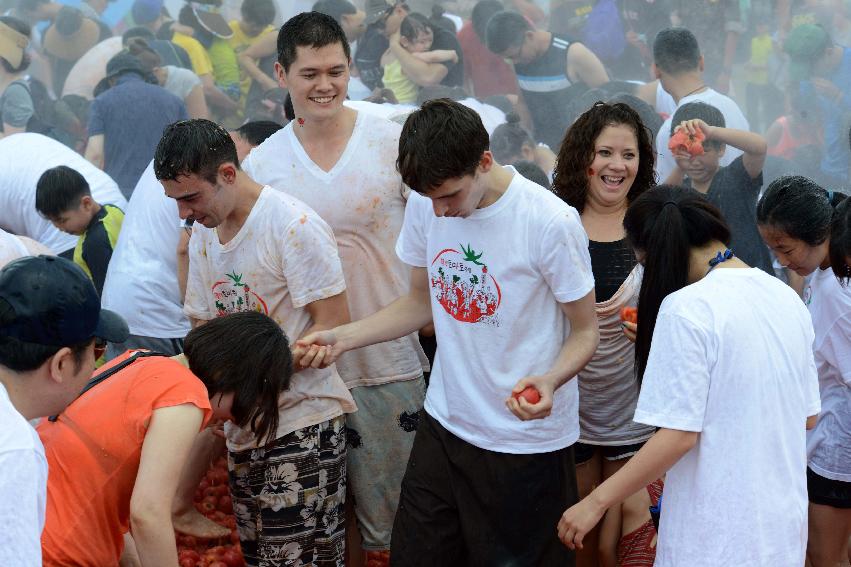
(508, 139)
(664, 224)
(533, 172)
(258, 12)
(675, 51)
(840, 241)
(483, 11)
(578, 149)
(255, 133)
(442, 140)
(799, 207)
(59, 189)
(506, 30)
(138, 31)
(335, 8)
(256, 375)
(193, 147)
(139, 48)
(23, 28)
(700, 110)
(68, 21)
(412, 26)
(438, 19)
(309, 29)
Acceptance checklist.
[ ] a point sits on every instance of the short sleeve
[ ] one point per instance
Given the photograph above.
(835, 348)
(22, 507)
(198, 280)
(562, 257)
(96, 125)
(411, 246)
(740, 179)
(17, 106)
(311, 262)
(165, 383)
(675, 388)
(665, 162)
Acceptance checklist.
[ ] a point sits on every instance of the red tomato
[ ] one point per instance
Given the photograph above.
(234, 536)
(233, 558)
(208, 504)
(218, 564)
(530, 394)
(629, 314)
(186, 562)
(226, 504)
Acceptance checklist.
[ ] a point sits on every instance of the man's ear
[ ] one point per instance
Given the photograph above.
(227, 172)
(61, 363)
(281, 75)
(486, 162)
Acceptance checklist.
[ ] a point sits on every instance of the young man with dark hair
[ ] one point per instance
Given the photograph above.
(254, 248)
(501, 266)
(342, 164)
(51, 333)
(63, 197)
(678, 65)
(383, 19)
(486, 74)
(547, 68)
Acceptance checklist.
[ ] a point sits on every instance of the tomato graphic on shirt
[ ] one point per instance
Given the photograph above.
(233, 296)
(462, 284)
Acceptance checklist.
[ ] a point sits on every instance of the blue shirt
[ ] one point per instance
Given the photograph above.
(835, 119)
(131, 116)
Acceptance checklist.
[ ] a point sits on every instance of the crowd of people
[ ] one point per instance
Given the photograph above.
(505, 282)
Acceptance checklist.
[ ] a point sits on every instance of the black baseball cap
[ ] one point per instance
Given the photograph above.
(50, 301)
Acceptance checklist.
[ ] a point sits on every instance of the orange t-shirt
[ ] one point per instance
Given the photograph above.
(93, 452)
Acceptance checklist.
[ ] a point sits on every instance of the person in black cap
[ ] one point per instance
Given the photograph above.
(52, 330)
(127, 119)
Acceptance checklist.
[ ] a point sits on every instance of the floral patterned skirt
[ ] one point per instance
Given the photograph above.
(289, 498)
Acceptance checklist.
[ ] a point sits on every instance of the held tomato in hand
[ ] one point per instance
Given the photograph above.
(629, 314)
(529, 393)
(683, 141)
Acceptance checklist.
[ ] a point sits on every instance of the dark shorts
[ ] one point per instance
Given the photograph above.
(584, 452)
(462, 505)
(828, 492)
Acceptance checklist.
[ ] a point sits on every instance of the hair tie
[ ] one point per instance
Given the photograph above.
(669, 203)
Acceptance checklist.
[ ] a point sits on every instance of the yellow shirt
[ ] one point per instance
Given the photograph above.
(240, 42)
(760, 52)
(199, 57)
(404, 89)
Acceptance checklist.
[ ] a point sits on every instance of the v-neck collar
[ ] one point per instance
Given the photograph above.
(312, 167)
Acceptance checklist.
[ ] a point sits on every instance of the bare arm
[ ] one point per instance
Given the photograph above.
(263, 47)
(422, 73)
(94, 150)
(610, 535)
(437, 56)
(575, 353)
(215, 97)
(654, 459)
(583, 65)
(753, 145)
(196, 104)
(407, 314)
(328, 313)
(183, 261)
(812, 421)
(773, 134)
(168, 440)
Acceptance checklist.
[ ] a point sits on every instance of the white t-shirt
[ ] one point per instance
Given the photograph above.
(283, 258)
(23, 488)
(91, 68)
(23, 158)
(141, 282)
(497, 278)
(180, 81)
(11, 248)
(733, 117)
(732, 359)
(829, 443)
(362, 198)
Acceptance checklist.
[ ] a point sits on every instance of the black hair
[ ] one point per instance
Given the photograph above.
(258, 12)
(506, 30)
(700, 110)
(335, 8)
(664, 224)
(255, 133)
(412, 26)
(186, 16)
(675, 51)
(138, 31)
(68, 20)
(434, 92)
(533, 172)
(578, 149)
(196, 146)
(508, 139)
(59, 189)
(483, 11)
(256, 375)
(442, 140)
(840, 241)
(289, 109)
(438, 19)
(799, 207)
(309, 29)
(22, 28)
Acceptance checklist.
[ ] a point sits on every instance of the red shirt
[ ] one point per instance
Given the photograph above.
(489, 73)
(93, 452)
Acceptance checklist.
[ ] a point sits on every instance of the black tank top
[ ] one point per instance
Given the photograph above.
(611, 264)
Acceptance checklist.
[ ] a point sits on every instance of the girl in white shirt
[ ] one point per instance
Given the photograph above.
(795, 217)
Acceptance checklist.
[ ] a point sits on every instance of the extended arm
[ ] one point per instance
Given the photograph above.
(196, 104)
(583, 65)
(422, 73)
(263, 47)
(94, 150)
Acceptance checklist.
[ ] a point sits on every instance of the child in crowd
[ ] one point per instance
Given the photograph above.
(63, 197)
(799, 128)
(511, 142)
(759, 89)
(734, 188)
(416, 38)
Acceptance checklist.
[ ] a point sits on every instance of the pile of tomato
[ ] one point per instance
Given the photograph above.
(212, 498)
